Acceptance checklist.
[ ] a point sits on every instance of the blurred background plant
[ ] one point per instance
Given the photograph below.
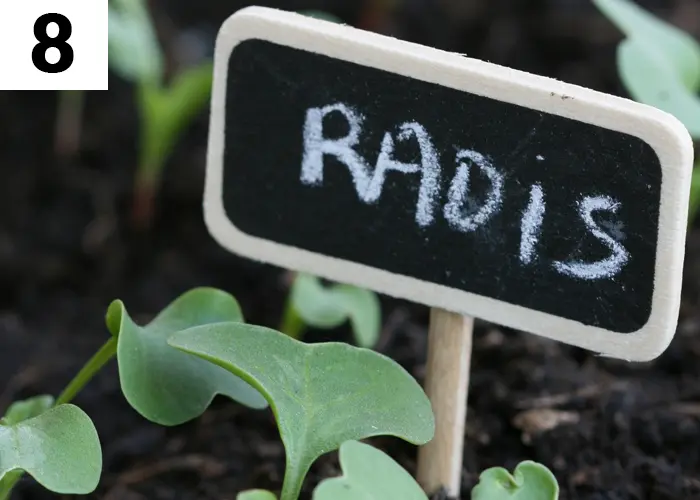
(659, 65)
(165, 108)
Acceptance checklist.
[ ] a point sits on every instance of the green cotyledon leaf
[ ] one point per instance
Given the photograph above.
(330, 306)
(530, 481)
(164, 384)
(59, 448)
(321, 394)
(368, 474)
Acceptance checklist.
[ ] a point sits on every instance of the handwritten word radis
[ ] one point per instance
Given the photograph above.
(369, 182)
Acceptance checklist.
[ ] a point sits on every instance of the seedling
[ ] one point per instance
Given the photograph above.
(659, 65)
(165, 110)
(310, 303)
(321, 394)
(56, 442)
(530, 481)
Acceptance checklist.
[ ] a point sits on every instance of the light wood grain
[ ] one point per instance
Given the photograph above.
(447, 386)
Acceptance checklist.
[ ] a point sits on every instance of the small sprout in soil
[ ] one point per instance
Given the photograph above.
(325, 307)
(165, 110)
(57, 445)
(322, 395)
(163, 384)
(368, 474)
(530, 481)
(659, 65)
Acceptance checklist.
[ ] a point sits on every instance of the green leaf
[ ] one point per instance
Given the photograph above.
(165, 112)
(134, 51)
(329, 307)
(163, 384)
(256, 495)
(650, 79)
(655, 35)
(531, 481)
(59, 448)
(658, 63)
(29, 408)
(321, 394)
(368, 474)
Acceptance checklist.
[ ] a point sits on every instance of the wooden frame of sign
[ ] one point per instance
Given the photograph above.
(266, 65)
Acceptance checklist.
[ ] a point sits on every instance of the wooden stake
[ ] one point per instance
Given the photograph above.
(447, 386)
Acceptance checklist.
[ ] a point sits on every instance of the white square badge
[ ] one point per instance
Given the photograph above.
(54, 45)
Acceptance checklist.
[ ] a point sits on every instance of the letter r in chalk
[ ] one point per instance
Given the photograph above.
(316, 146)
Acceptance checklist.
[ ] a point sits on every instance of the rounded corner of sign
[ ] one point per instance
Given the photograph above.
(677, 143)
(649, 342)
(222, 229)
(242, 25)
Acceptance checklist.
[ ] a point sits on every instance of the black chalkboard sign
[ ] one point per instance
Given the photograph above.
(448, 181)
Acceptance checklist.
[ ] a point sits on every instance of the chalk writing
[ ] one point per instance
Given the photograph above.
(531, 224)
(605, 268)
(459, 190)
(429, 168)
(457, 211)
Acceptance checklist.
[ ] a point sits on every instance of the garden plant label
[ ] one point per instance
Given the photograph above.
(448, 181)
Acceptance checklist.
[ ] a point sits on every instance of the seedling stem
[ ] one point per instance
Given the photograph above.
(87, 372)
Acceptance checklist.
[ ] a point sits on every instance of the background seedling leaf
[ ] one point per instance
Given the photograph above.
(658, 63)
(655, 35)
(368, 474)
(530, 481)
(134, 51)
(164, 384)
(29, 408)
(330, 306)
(256, 495)
(165, 112)
(650, 79)
(321, 394)
(59, 448)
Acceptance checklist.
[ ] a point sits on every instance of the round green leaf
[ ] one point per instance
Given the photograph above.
(329, 307)
(256, 495)
(530, 481)
(321, 394)
(650, 79)
(59, 448)
(368, 474)
(163, 384)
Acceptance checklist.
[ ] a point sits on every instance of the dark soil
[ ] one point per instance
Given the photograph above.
(608, 429)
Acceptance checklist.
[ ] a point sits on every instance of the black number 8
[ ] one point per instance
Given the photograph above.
(65, 30)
